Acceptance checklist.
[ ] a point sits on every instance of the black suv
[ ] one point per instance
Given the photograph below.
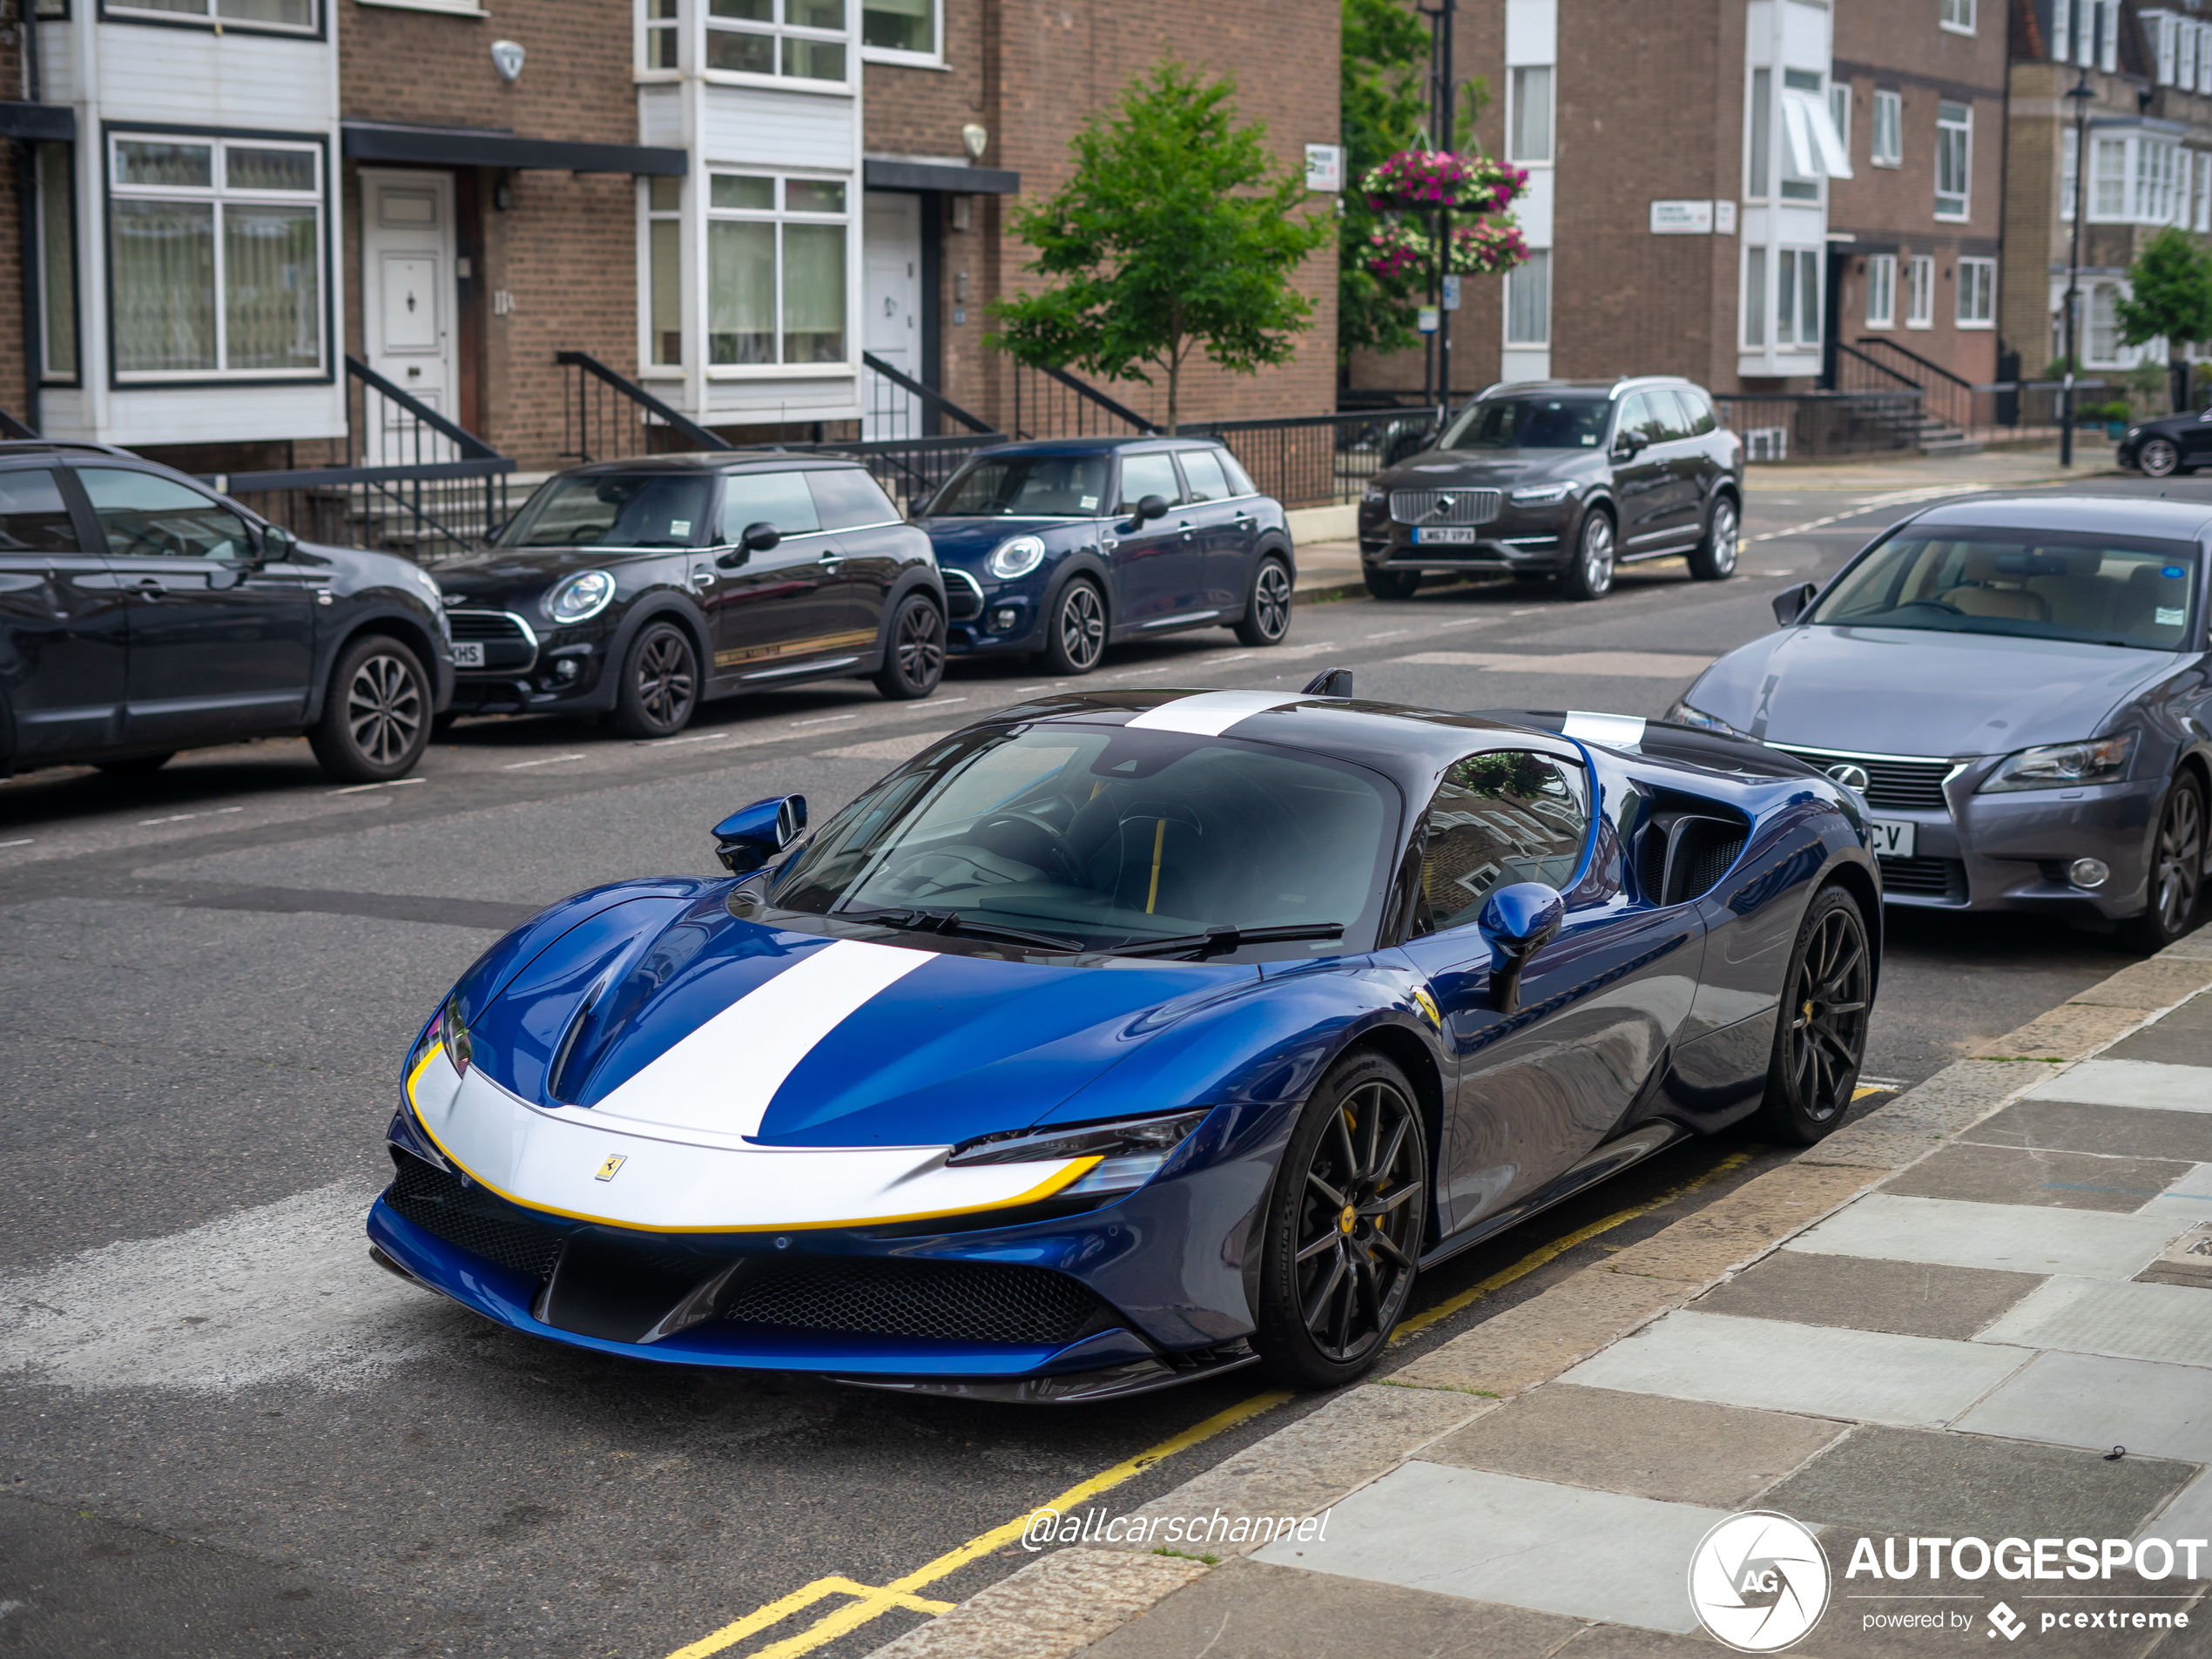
(141, 613)
(645, 587)
(1565, 479)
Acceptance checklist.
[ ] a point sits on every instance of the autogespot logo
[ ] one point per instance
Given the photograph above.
(1759, 1581)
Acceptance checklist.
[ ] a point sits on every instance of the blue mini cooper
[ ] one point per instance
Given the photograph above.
(1063, 546)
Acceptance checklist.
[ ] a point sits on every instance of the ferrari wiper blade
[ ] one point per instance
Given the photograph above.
(1219, 942)
(951, 921)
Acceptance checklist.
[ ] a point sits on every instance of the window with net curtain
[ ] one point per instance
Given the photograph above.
(900, 25)
(265, 14)
(217, 257)
(776, 285)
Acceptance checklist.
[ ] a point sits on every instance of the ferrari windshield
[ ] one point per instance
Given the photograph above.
(1108, 837)
(1026, 487)
(1549, 422)
(2102, 590)
(614, 509)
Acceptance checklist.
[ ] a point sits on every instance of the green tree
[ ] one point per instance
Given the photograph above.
(1176, 234)
(2172, 298)
(1385, 109)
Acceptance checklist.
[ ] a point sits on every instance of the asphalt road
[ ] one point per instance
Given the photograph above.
(226, 1434)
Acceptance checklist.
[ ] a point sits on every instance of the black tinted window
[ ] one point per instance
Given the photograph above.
(1498, 818)
(1239, 482)
(1148, 475)
(614, 509)
(1699, 409)
(778, 498)
(145, 514)
(847, 500)
(1201, 472)
(1025, 486)
(33, 517)
(1529, 423)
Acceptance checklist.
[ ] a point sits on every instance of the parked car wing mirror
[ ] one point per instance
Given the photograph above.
(1629, 442)
(1518, 920)
(751, 835)
(760, 537)
(277, 544)
(1790, 603)
(1150, 508)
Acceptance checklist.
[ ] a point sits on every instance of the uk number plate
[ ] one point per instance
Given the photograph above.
(1892, 836)
(469, 654)
(1443, 535)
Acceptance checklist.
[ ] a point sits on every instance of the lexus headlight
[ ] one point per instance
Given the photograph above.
(1016, 555)
(581, 596)
(1130, 1152)
(1542, 494)
(1683, 713)
(2063, 766)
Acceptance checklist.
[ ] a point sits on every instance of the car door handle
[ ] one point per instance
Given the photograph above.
(703, 580)
(831, 560)
(148, 585)
(1245, 519)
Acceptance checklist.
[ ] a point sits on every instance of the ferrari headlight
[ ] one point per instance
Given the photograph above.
(2063, 766)
(446, 1031)
(580, 597)
(1130, 1152)
(1684, 713)
(1015, 557)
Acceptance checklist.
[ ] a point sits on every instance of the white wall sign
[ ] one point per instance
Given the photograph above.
(1725, 219)
(1681, 218)
(1425, 320)
(1451, 293)
(1324, 166)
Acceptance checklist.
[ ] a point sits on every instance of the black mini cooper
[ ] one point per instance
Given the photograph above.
(1561, 479)
(646, 587)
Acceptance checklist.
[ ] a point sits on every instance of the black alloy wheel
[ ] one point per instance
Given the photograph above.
(1714, 558)
(2176, 869)
(1821, 1035)
(914, 660)
(1589, 574)
(1267, 609)
(1075, 639)
(1344, 1226)
(660, 682)
(137, 766)
(1390, 584)
(2159, 457)
(376, 715)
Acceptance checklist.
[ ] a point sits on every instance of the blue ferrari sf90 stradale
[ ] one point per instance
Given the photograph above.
(1121, 1039)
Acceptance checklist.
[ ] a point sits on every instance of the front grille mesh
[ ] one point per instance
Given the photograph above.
(946, 1301)
(1900, 785)
(1924, 878)
(1444, 506)
(963, 596)
(492, 626)
(469, 1218)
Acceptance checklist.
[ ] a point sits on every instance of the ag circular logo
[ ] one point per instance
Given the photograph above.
(1759, 1581)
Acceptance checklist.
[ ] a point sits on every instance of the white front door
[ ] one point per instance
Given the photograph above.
(408, 299)
(892, 249)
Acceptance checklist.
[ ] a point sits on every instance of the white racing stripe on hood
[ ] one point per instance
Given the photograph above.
(1208, 714)
(1614, 730)
(723, 1076)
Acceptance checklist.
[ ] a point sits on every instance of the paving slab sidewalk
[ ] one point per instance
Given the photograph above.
(1940, 1321)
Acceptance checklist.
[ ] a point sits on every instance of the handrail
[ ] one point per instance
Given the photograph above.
(11, 428)
(1082, 388)
(472, 447)
(1906, 351)
(935, 399)
(1879, 367)
(688, 429)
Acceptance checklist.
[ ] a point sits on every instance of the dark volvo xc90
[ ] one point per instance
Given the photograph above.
(1565, 479)
(646, 587)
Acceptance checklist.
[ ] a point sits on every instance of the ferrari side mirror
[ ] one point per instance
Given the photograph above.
(1519, 922)
(1790, 603)
(751, 835)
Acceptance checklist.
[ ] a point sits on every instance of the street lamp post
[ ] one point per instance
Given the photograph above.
(2083, 95)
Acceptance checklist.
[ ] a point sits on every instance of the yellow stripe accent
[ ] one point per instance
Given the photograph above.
(1159, 841)
(794, 647)
(1044, 1189)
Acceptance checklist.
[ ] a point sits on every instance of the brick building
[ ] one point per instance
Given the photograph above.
(728, 201)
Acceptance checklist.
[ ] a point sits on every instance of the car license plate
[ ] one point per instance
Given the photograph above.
(469, 653)
(1892, 836)
(1443, 535)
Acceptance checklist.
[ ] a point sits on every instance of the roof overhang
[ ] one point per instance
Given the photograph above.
(45, 123)
(887, 173)
(479, 147)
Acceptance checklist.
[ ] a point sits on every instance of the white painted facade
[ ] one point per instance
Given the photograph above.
(1791, 150)
(745, 127)
(1532, 45)
(179, 80)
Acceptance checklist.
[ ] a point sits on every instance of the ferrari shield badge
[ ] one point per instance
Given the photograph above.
(607, 1170)
(1427, 1005)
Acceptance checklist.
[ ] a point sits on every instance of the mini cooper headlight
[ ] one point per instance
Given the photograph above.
(2063, 766)
(1542, 494)
(1683, 713)
(1131, 1152)
(1015, 557)
(581, 596)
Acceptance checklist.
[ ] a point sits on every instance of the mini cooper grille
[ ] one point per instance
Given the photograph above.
(469, 1218)
(1444, 506)
(490, 626)
(1925, 877)
(963, 596)
(947, 1301)
(1902, 785)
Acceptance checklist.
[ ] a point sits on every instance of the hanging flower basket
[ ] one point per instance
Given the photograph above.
(1420, 179)
(1398, 250)
(1483, 248)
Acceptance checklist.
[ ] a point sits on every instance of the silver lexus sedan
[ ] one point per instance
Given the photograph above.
(2018, 687)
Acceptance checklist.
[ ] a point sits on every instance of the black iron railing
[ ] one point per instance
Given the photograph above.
(1052, 403)
(1319, 459)
(605, 415)
(1947, 397)
(911, 470)
(900, 407)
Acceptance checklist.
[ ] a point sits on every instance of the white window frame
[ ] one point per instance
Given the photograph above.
(2201, 216)
(1751, 310)
(1976, 296)
(2108, 14)
(2118, 356)
(1514, 73)
(1887, 127)
(1789, 185)
(933, 59)
(2061, 31)
(1791, 267)
(59, 314)
(1962, 133)
(658, 20)
(2185, 65)
(2165, 44)
(1840, 101)
(2203, 33)
(780, 216)
(2139, 178)
(1919, 290)
(702, 27)
(1881, 291)
(217, 194)
(649, 215)
(1538, 259)
(2069, 173)
(212, 17)
(1956, 17)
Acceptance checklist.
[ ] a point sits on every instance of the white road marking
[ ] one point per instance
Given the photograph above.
(825, 719)
(548, 760)
(286, 1290)
(1621, 665)
(179, 817)
(25, 841)
(395, 783)
(1896, 498)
